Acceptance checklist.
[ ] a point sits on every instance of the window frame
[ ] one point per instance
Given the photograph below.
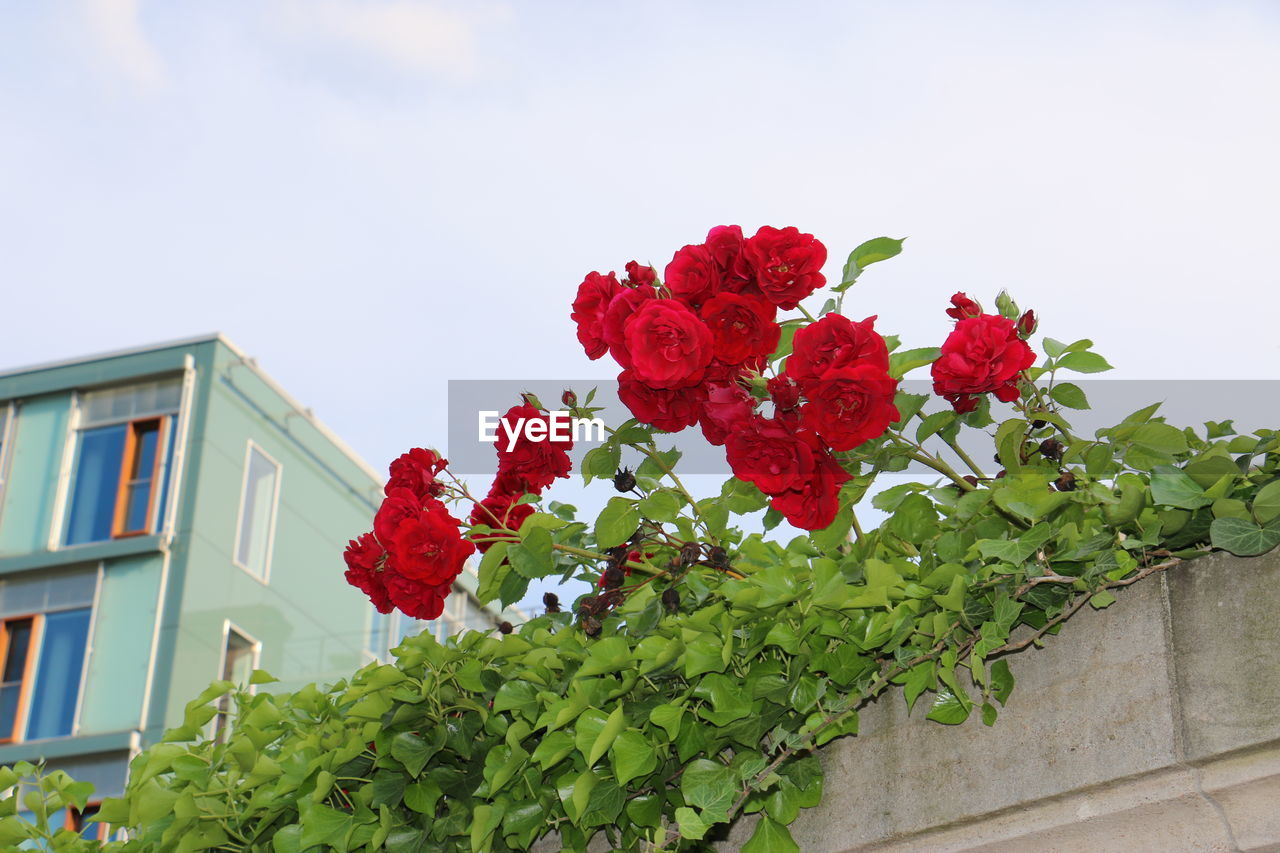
(222, 711)
(9, 408)
(29, 666)
(131, 442)
(265, 577)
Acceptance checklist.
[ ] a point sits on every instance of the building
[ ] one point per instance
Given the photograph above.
(169, 516)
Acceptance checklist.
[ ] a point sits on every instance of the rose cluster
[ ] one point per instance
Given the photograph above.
(416, 549)
(692, 347)
(985, 353)
(525, 467)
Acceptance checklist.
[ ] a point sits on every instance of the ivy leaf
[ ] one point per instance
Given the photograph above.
(1242, 537)
(950, 708)
(1172, 486)
(1002, 680)
(595, 732)
(709, 785)
(692, 826)
(770, 837)
(1266, 503)
(632, 755)
(412, 751)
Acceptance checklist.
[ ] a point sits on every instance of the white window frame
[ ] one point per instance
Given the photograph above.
(227, 627)
(6, 448)
(265, 578)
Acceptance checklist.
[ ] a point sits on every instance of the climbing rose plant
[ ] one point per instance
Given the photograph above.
(694, 680)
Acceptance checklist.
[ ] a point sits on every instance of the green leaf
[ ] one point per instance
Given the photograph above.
(662, 505)
(617, 522)
(770, 837)
(632, 755)
(692, 826)
(595, 732)
(668, 717)
(1070, 395)
(601, 462)
(484, 820)
(608, 655)
(1002, 680)
(1266, 503)
(532, 557)
(709, 785)
(1083, 362)
(871, 252)
(493, 570)
(902, 363)
(412, 751)
(1172, 486)
(1242, 537)
(950, 708)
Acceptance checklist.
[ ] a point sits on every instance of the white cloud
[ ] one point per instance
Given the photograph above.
(417, 36)
(116, 28)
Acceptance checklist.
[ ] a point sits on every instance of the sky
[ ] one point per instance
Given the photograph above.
(373, 197)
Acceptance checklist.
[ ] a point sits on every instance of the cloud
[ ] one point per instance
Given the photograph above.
(116, 28)
(416, 36)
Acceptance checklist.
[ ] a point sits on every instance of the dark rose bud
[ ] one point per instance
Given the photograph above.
(1000, 474)
(505, 628)
(1038, 424)
(551, 601)
(690, 553)
(589, 605)
(617, 555)
(611, 599)
(624, 480)
(1066, 483)
(590, 626)
(1051, 448)
(671, 599)
(963, 307)
(612, 578)
(1027, 324)
(971, 480)
(784, 392)
(717, 557)
(569, 399)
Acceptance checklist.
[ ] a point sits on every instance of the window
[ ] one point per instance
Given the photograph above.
(44, 634)
(461, 612)
(257, 512)
(239, 660)
(123, 448)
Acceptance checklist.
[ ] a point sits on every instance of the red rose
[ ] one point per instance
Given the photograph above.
(726, 408)
(429, 547)
(815, 503)
(668, 345)
(417, 599)
(851, 405)
(533, 465)
(963, 307)
(616, 317)
(594, 295)
(771, 455)
(784, 392)
(417, 471)
(693, 275)
(640, 275)
(741, 326)
(398, 505)
(982, 354)
(726, 244)
(1027, 324)
(787, 264)
(364, 558)
(670, 410)
(835, 341)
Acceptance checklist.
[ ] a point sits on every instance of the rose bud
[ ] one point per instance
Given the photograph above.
(963, 307)
(505, 628)
(551, 601)
(569, 399)
(1038, 424)
(1066, 483)
(971, 480)
(671, 599)
(1051, 448)
(590, 626)
(624, 480)
(690, 552)
(1000, 474)
(1027, 324)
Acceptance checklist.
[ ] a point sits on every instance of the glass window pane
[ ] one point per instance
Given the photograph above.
(15, 660)
(138, 496)
(57, 682)
(166, 461)
(132, 401)
(257, 512)
(97, 476)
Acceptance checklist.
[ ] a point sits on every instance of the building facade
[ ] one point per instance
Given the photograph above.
(168, 517)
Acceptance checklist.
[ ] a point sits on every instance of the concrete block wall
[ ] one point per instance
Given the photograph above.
(1153, 725)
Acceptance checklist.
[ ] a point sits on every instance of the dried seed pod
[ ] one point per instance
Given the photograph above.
(612, 578)
(1066, 483)
(589, 605)
(671, 599)
(690, 553)
(717, 557)
(551, 601)
(505, 628)
(590, 626)
(624, 480)
(1051, 448)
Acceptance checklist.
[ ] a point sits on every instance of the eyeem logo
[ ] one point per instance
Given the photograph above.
(557, 426)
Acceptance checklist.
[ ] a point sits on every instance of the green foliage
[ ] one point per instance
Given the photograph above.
(694, 683)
